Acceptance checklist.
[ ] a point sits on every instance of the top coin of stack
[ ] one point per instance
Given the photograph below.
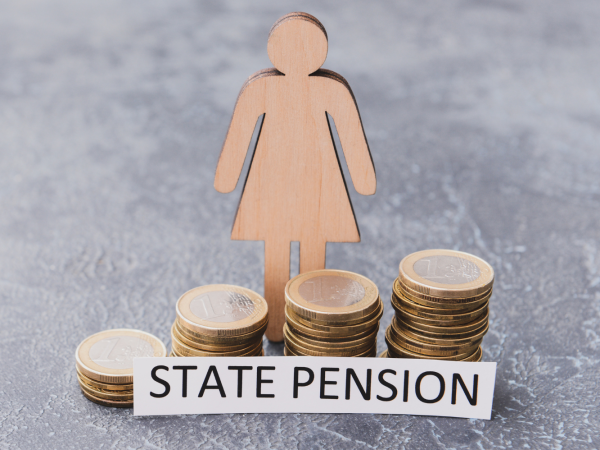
(219, 320)
(441, 300)
(331, 313)
(104, 364)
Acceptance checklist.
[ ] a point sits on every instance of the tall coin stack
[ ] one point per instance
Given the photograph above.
(441, 300)
(219, 320)
(331, 313)
(104, 364)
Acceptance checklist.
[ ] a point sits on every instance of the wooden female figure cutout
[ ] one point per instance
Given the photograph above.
(295, 190)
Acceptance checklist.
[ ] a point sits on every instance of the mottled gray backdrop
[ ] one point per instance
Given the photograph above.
(483, 118)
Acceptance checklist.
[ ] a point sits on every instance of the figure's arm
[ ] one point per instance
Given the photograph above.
(341, 105)
(249, 106)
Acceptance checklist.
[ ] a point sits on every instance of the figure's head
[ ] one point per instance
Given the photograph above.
(297, 44)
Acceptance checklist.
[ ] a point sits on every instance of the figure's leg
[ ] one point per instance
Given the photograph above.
(277, 274)
(312, 255)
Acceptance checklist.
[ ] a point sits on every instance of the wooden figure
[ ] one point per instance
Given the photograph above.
(295, 190)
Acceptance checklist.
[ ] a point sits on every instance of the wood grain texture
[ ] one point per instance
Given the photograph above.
(295, 190)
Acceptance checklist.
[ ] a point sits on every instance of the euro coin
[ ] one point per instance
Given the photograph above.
(107, 395)
(300, 348)
(451, 330)
(221, 310)
(106, 402)
(462, 305)
(302, 330)
(104, 364)
(239, 345)
(434, 338)
(345, 329)
(441, 299)
(324, 345)
(431, 316)
(227, 340)
(107, 356)
(331, 313)
(446, 274)
(332, 296)
(425, 348)
(106, 386)
(396, 351)
(219, 320)
(183, 350)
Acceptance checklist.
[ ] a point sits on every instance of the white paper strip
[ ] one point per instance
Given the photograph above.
(166, 386)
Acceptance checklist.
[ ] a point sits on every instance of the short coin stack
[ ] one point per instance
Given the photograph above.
(219, 320)
(331, 313)
(104, 364)
(441, 300)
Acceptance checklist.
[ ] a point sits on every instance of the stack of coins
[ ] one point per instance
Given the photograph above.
(331, 313)
(441, 300)
(104, 364)
(219, 320)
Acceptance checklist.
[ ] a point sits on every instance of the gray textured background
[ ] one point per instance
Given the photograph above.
(483, 118)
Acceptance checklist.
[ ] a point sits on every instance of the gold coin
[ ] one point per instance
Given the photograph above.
(453, 304)
(399, 352)
(300, 349)
(105, 386)
(108, 356)
(463, 330)
(221, 310)
(332, 296)
(259, 352)
(225, 340)
(341, 340)
(207, 347)
(446, 273)
(287, 351)
(302, 330)
(106, 402)
(405, 304)
(396, 351)
(426, 337)
(323, 345)
(433, 316)
(325, 325)
(416, 346)
(182, 349)
(447, 338)
(336, 330)
(105, 394)
(368, 353)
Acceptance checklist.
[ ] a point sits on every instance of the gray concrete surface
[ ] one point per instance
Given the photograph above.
(484, 123)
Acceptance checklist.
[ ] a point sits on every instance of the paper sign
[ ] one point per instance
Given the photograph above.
(166, 386)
